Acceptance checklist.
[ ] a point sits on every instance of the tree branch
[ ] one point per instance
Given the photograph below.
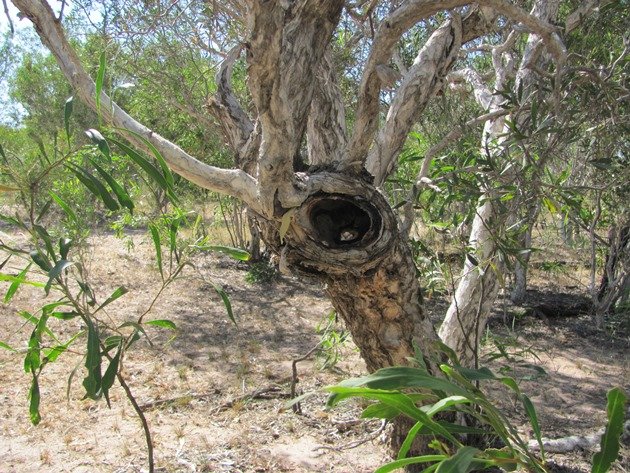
(228, 181)
(388, 34)
(326, 127)
(423, 79)
(586, 8)
(235, 123)
(422, 179)
(286, 44)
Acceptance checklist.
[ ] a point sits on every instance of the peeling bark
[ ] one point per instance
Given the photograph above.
(286, 44)
(326, 127)
(423, 79)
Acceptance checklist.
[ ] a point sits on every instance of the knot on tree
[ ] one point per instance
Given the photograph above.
(340, 221)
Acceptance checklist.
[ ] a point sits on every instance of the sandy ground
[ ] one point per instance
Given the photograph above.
(197, 388)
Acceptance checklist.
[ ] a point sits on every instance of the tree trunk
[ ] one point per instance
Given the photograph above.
(345, 234)
(477, 289)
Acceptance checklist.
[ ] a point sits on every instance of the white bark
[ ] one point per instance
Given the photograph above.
(236, 125)
(466, 318)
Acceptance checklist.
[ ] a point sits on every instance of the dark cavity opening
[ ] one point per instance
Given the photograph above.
(340, 221)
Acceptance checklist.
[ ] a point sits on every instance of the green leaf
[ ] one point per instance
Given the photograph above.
(163, 323)
(121, 291)
(609, 444)
(398, 464)
(94, 185)
(65, 207)
(476, 374)
(64, 315)
(56, 271)
(92, 382)
(43, 211)
(100, 77)
(110, 374)
(19, 279)
(64, 247)
(43, 234)
(149, 168)
(402, 377)
(379, 411)
(67, 113)
(445, 403)
(121, 193)
(168, 175)
(112, 342)
(52, 354)
(100, 141)
(461, 462)
(395, 399)
(411, 436)
(533, 420)
(138, 329)
(226, 301)
(235, 253)
(7, 347)
(551, 206)
(157, 242)
(34, 398)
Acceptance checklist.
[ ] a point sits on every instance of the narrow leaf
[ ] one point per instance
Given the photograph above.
(41, 260)
(92, 382)
(95, 186)
(34, 398)
(155, 235)
(7, 347)
(64, 247)
(56, 272)
(398, 464)
(163, 323)
(168, 175)
(460, 462)
(235, 253)
(609, 445)
(149, 168)
(19, 279)
(100, 141)
(43, 234)
(533, 420)
(226, 301)
(100, 77)
(121, 193)
(121, 291)
(64, 206)
(110, 374)
(411, 436)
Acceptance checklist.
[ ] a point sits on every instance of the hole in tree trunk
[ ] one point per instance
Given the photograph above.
(340, 221)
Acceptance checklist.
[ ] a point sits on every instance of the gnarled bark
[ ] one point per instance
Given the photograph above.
(346, 233)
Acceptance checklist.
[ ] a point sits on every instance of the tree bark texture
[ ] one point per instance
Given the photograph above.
(346, 234)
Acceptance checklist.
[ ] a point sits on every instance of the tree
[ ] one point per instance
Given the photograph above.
(318, 205)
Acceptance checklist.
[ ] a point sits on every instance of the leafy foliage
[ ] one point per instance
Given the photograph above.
(432, 402)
